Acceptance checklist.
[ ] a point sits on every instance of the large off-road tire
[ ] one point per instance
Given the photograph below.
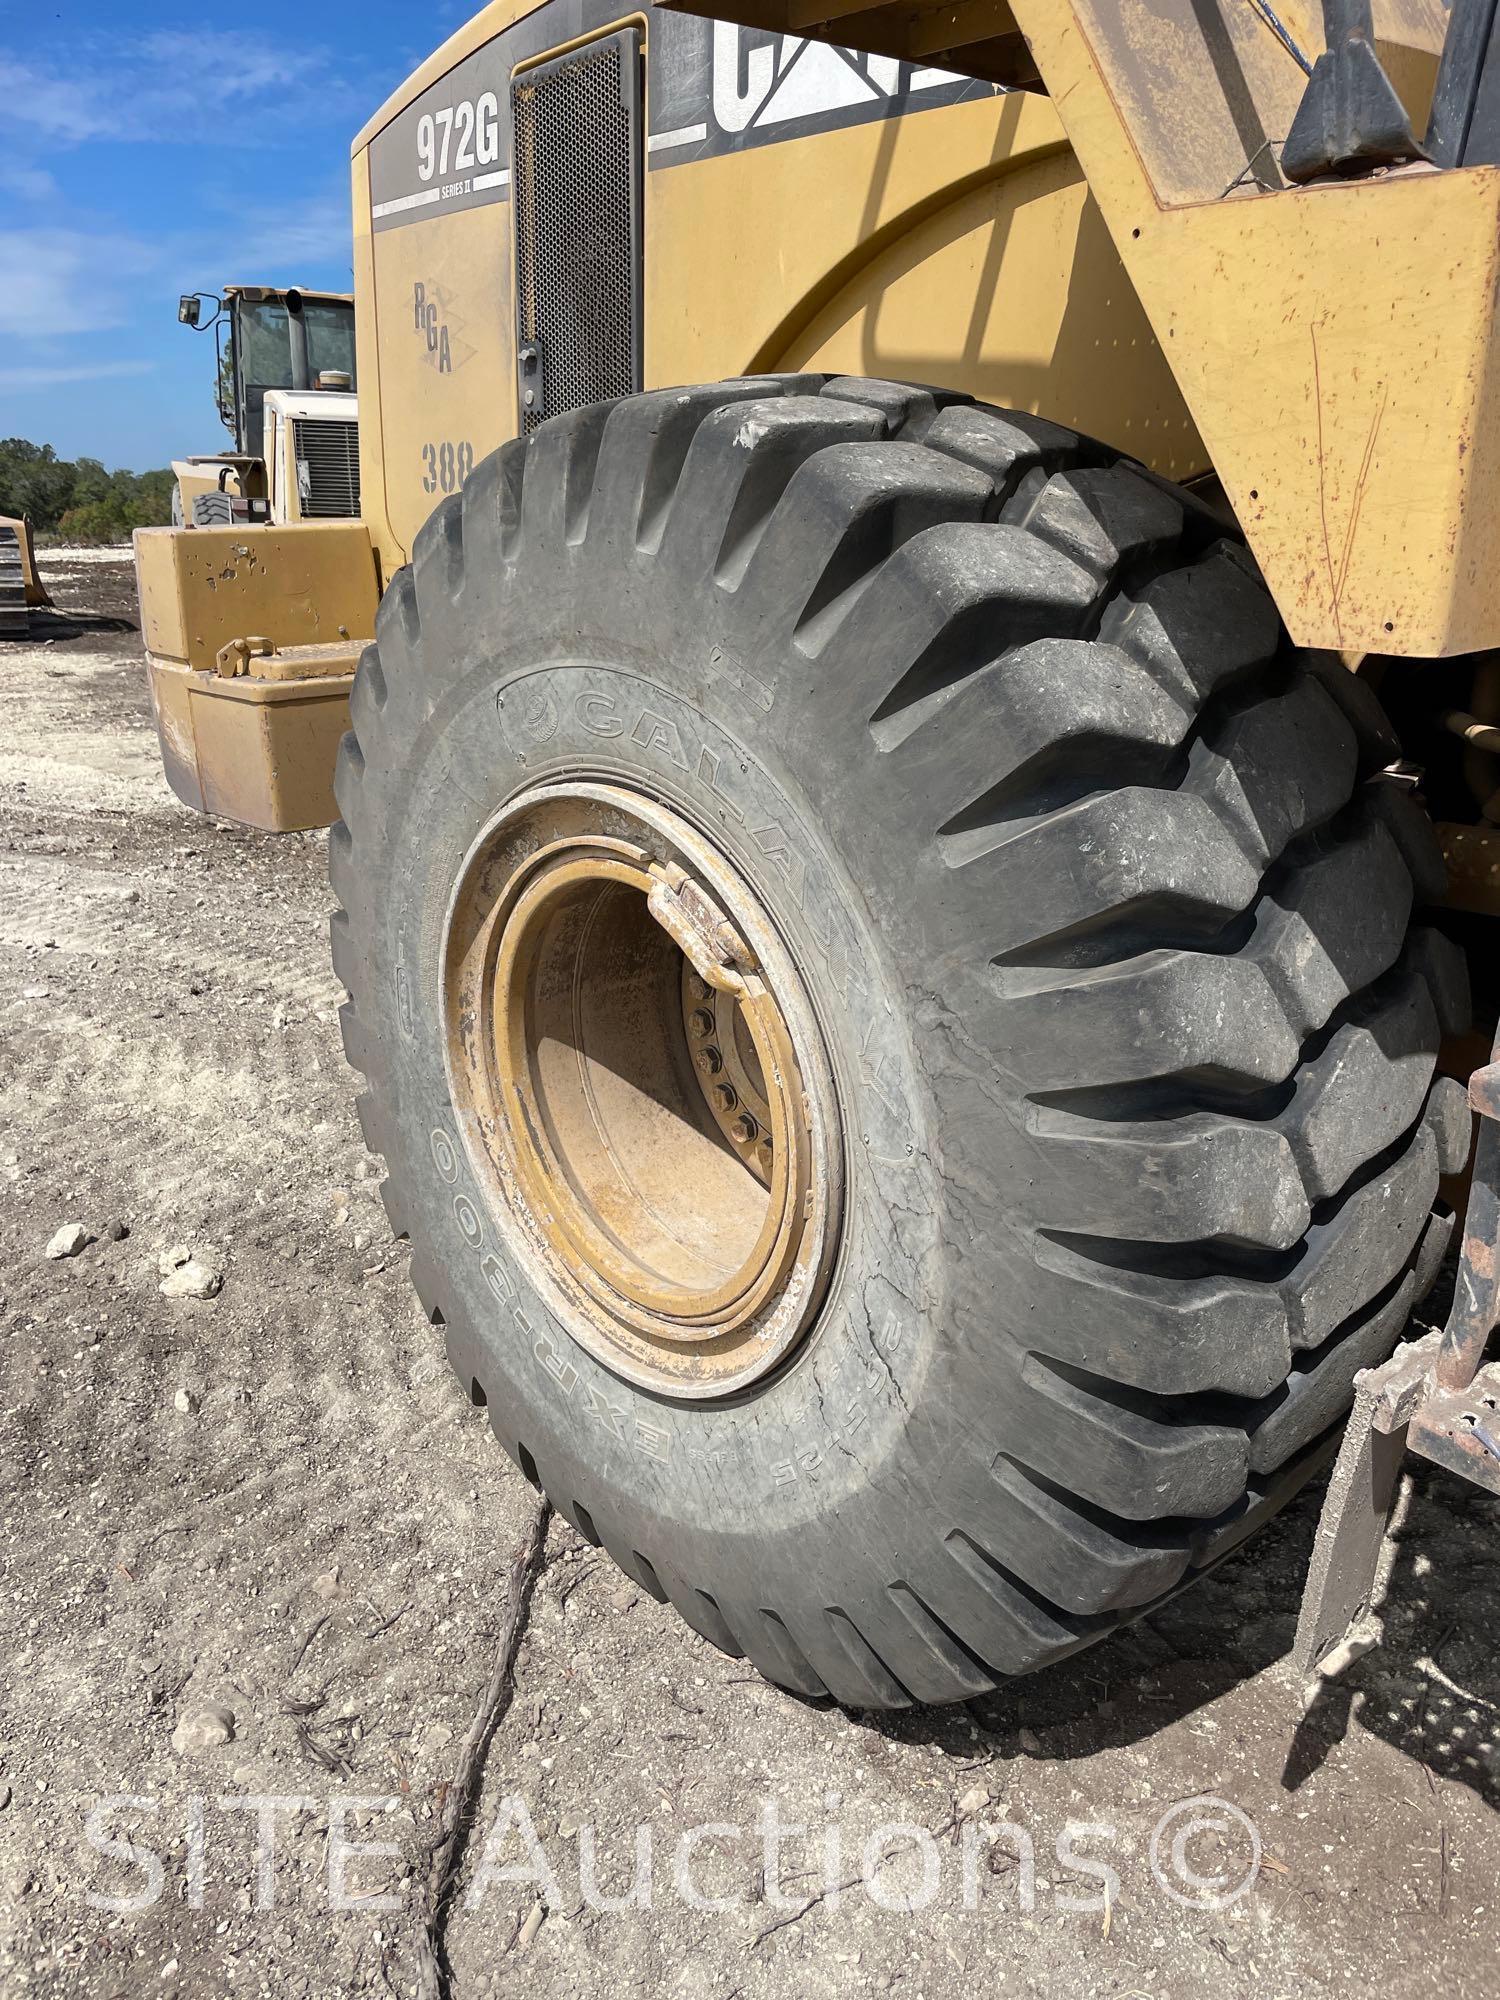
(1101, 918)
(213, 510)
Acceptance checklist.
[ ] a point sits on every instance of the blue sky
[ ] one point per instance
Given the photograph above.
(150, 149)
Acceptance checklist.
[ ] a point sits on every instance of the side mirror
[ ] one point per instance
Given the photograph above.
(189, 309)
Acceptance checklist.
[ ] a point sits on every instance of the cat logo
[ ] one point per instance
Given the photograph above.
(762, 79)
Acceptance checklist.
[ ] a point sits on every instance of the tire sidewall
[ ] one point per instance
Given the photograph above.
(834, 1420)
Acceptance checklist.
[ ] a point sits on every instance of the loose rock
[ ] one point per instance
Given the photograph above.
(187, 1402)
(190, 1274)
(532, 1925)
(204, 1728)
(68, 1241)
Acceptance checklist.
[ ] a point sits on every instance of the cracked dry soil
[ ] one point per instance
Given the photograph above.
(273, 1504)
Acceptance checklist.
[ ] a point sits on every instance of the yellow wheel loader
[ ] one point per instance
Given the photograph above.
(21, 586)
(936, 569)
(255, 604)
(285, 381)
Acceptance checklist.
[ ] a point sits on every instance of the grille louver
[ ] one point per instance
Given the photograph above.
(328, 448)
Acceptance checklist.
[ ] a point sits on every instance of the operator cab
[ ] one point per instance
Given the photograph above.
(281, 340)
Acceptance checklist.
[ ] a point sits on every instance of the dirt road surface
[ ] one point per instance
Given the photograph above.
(269, 1515)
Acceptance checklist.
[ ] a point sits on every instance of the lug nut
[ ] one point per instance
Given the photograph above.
(698, 986)
(765, 1154)
(709, 1061)
(744, 1129)
(725, 1096)
(702, 1022)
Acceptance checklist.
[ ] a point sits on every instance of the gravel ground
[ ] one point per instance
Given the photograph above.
(255, 1547)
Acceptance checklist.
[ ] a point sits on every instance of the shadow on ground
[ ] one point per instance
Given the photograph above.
(1431, 1690)
(47, 627)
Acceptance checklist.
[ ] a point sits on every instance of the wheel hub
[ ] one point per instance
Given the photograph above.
(728, 1069)
(641, 1084)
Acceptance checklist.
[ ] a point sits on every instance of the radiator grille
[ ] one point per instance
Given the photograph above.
(327, 454)
(577, 204)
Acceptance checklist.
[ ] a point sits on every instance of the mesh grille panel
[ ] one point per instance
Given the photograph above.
(577, 157)
(329, 449)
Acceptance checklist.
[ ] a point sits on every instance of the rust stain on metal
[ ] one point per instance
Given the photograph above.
(1459, 1429)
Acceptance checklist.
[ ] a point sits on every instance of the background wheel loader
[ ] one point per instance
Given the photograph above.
(21, 586)
(256, 603)
(905, 978)
(285, 384)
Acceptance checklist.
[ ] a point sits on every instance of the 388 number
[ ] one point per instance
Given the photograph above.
(446, 466)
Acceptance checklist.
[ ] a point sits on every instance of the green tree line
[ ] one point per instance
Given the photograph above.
(76, 500)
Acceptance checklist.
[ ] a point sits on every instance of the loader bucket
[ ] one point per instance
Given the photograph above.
(21, 588)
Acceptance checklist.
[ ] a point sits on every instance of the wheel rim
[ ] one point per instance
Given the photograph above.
(641, 1085)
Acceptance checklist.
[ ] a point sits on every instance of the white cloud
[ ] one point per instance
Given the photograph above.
(45, 377)
(189, 88)
(50, 105)
(228, 62)
(56, 283)
(59, 281)
(33, 184)
(276, 246)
